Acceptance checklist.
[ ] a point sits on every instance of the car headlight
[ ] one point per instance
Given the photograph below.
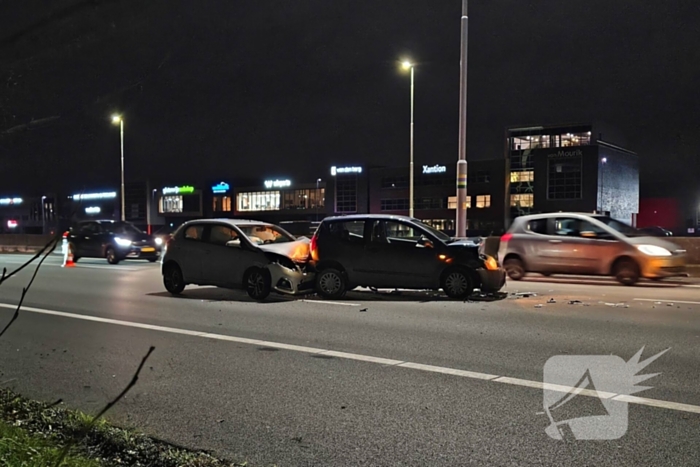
(653, 250)
(159, 241)
(122, 241)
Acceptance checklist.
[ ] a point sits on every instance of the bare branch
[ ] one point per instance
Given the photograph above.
(28, 126)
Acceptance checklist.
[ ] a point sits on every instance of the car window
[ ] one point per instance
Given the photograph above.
(347, 231)
(395, 233)
(89, 228)
(571, 227)
(194, 232)
(221, 234)
(621, 227)
(538, 226)
(265, 234)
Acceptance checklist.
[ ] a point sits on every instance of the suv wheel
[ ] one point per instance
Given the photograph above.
(331, 283)
(111, 255)
(626, 272)
(514, 268)
(457, 283)
(173, 280)
(257, 283)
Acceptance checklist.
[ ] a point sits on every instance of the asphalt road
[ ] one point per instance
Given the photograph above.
(374, 379)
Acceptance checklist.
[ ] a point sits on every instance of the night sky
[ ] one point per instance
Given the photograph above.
(259, 88)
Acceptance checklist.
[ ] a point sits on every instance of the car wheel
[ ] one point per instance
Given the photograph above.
(331, 283)
(626, 272)
(514, 268)
(111, 255)
(173, 280)
(257, 283)
(457, 283)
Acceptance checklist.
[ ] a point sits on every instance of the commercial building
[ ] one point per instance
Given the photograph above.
(566, 168)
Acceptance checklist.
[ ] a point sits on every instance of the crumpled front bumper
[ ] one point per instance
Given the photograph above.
(492, 281)
(290, 281)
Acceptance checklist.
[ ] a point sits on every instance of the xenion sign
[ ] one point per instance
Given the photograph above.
(435, 169)
(277, 183)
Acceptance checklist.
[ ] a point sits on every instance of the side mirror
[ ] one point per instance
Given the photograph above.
(234, 243)
(424, 243)
(589, 234)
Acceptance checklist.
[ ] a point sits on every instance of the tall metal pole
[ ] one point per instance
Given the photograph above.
(461, 221)
(121, 131)
(43, 215)
(410, 179)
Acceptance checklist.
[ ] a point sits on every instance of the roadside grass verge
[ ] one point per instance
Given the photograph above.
(35, 433)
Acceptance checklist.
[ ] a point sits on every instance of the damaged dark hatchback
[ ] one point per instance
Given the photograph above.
(385, 251)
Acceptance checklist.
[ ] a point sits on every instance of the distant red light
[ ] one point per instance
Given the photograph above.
(506, 237)
(12, 224)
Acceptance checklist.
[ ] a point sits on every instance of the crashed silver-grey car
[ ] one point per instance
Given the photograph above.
(256, 256)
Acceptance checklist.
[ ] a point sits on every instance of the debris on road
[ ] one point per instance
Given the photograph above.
(486, 297)
(618, 305)
(523, 294)
(575, 302)
(551, 300)
(539, 305)
(363, 309)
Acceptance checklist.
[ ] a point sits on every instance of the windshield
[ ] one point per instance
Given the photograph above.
(440, 235)
(266, 234)
(621, 227)
(122, 229)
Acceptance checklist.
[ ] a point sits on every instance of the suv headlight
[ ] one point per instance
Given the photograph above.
(122, 241)
(653, 250)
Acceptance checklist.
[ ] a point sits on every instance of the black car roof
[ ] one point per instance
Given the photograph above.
(356, 217)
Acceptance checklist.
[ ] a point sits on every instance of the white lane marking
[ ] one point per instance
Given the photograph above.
(367, 358)
(330, 303)
(81, 266)
(666, 301)
(691, 285)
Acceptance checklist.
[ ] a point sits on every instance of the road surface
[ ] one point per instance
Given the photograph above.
(372, 379)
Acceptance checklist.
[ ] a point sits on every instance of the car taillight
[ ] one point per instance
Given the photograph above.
(506, 237)
(312, 248)
(65, 234)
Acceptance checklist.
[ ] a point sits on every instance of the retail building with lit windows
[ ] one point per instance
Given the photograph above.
(571, 168)
(281, 199)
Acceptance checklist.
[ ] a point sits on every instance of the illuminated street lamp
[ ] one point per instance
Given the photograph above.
(118, 120)
(406, 65)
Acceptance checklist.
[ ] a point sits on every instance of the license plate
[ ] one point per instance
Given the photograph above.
(148, 250)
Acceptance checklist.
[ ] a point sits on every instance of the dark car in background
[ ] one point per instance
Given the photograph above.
(112, 240)
(386, 251)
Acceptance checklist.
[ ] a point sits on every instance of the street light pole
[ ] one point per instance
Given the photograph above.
(43, 215)
(461, 221)
(120, 120)
(406, 65)
(318, 180)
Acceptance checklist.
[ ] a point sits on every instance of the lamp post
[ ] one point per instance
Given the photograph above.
(461, 221)
(318, 180)
(603, 161)
(117, 119)
(408, 65)
(43, 215)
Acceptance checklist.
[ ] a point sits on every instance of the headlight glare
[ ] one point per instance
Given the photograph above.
(159, 241)
(122, 241)
(653, 250)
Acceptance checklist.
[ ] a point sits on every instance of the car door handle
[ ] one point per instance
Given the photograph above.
(555, 241)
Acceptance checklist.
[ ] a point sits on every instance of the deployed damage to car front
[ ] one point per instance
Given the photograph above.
(288, 266)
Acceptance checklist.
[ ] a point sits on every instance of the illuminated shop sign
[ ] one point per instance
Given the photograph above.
(277, 183)
(7, 201)
(84, 196)
(221, 187)
(12, 224)
(93, 210)
(345, 170)
(178, 190)
(434, 169)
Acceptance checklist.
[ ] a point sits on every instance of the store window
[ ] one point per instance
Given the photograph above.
(258, 201)
(346, 194)
(170, 204)
(575, 139)
(303, 199)
(522, 176)
(564, 178)
(480, 176)
(452, 202)
(398, 204)
(522, 200)
(222, 204)
(483, 201)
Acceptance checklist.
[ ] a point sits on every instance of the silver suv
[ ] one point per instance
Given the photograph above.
(585, 244)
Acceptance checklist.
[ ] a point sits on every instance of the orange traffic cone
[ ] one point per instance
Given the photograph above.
(68, 258)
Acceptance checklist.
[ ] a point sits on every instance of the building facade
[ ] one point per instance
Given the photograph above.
(564, 168)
